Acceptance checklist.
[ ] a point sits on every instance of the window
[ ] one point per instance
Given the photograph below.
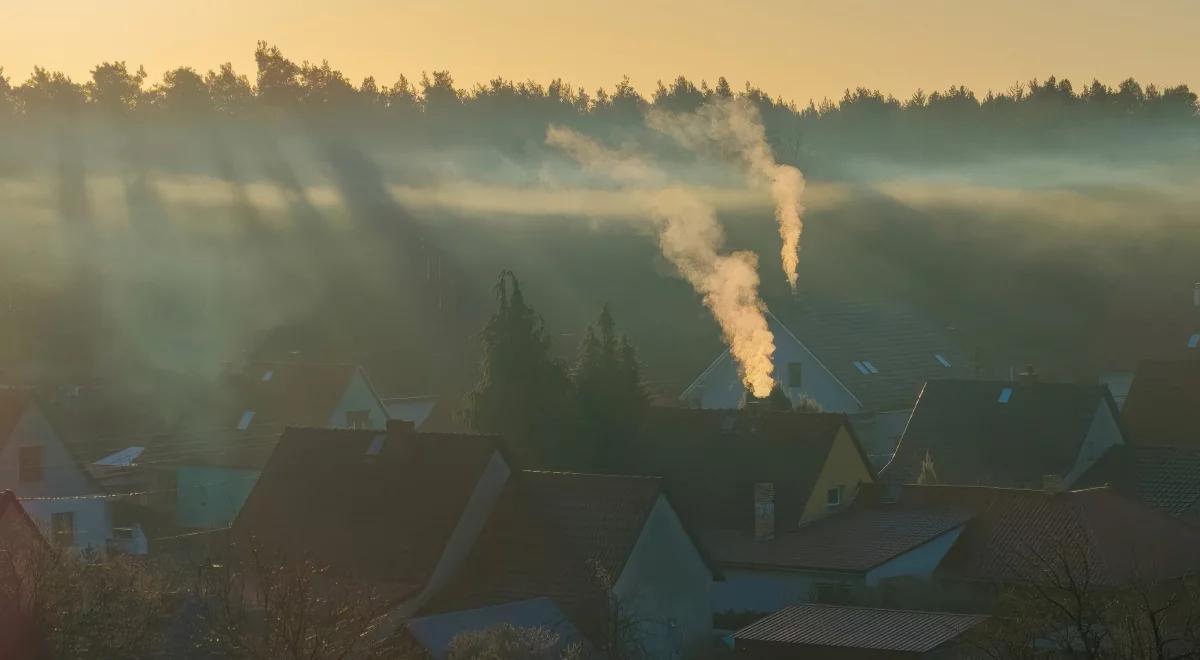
(1005, 395)
(870, 367)
(833, 497)
(268, 375)
(795, 375)
(358, 419)
(30, 466)
(62, 528)
(376, 446)
(942, 360)
(244, 422)
(1194, 340)
(862, 368)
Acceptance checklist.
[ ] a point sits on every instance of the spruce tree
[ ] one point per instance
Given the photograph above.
(523, 393)
(611, 396)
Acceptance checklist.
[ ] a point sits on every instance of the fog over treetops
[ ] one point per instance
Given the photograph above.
(154, 229)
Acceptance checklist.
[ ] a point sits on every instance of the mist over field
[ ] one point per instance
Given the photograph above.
(151, 244)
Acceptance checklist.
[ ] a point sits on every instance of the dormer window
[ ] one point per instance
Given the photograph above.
(244, 422)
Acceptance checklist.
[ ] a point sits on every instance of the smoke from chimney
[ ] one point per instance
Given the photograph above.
(691, 239)
(735, 125)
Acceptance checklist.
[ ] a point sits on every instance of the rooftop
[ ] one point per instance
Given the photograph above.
(997, 433)
(860, 628)
(1163, 406)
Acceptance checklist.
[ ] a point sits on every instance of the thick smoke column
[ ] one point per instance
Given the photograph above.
(690, 237)
(735, 125)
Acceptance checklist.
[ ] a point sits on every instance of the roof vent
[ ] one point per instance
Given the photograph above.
(244, 422)
(1005, 395)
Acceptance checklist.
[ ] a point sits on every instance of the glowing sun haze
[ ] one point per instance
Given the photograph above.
(799, 49)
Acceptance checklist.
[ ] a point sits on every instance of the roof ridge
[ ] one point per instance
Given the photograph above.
(883, 609)
(648, 477)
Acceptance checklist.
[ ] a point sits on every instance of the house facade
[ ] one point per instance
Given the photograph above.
(866, 360)
(57, 493)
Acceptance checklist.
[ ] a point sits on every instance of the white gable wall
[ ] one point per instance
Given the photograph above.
(665, 588)
(1102, 434)
(359, 395)
(64, 486)
(720, 386)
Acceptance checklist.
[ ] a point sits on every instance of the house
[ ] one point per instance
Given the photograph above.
(56, 491)
(1009, 434)
(211, 463)
(610, 550)
(742, 477)
(20, 543)
(831, 632)
(867, 360)
(1163, 406)
(434, 634)
(395, 508)
(1163, 478)
(416, 409)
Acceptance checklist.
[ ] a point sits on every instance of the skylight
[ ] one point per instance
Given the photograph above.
(870, 367)
(1194, 340)
(244, 422)
(942, 360)
(267, 375)
(1005, 394)
(862, 368)
(376, 446)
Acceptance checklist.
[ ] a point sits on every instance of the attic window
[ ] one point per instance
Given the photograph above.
(376, 446)
(1005, 395)
(833, 497)
(942, 360)
(1194, 340)
(267, 375)
(244, 422)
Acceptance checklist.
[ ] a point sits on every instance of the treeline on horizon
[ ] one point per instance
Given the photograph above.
(1040, 113)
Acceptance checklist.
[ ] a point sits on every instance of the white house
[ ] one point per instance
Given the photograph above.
(868, 360)
(55, 490)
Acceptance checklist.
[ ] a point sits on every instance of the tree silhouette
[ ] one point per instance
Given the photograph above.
(612, 398)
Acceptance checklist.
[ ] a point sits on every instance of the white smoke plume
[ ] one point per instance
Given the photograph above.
(691, 238)
(735, 125)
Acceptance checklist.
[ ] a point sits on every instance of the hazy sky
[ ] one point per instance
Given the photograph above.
(798, 48)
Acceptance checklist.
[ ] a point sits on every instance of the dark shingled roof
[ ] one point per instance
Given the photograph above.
(1163, 406)
(859, 628)
(856, 540)
(384, 517)
(1013, 533)
(711, 459)
(974, 439)
(897, 340)
(1166, 478)
(553, 534)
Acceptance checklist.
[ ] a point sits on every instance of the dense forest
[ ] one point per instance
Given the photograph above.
(154, 229)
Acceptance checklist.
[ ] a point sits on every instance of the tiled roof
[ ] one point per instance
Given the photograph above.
(370, 505)
(553, 534)
(1166, 478)
(436, 632)
(974, 438)
(859, 628)
(1013, 533)
(899, 342)
(10, 505)
(856, 540)
(1163, 406)
(711, 459)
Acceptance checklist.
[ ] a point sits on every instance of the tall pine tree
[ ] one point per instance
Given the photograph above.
(611, 396)
(523, 393)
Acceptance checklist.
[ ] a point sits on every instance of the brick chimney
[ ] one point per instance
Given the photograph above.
(764, 511)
